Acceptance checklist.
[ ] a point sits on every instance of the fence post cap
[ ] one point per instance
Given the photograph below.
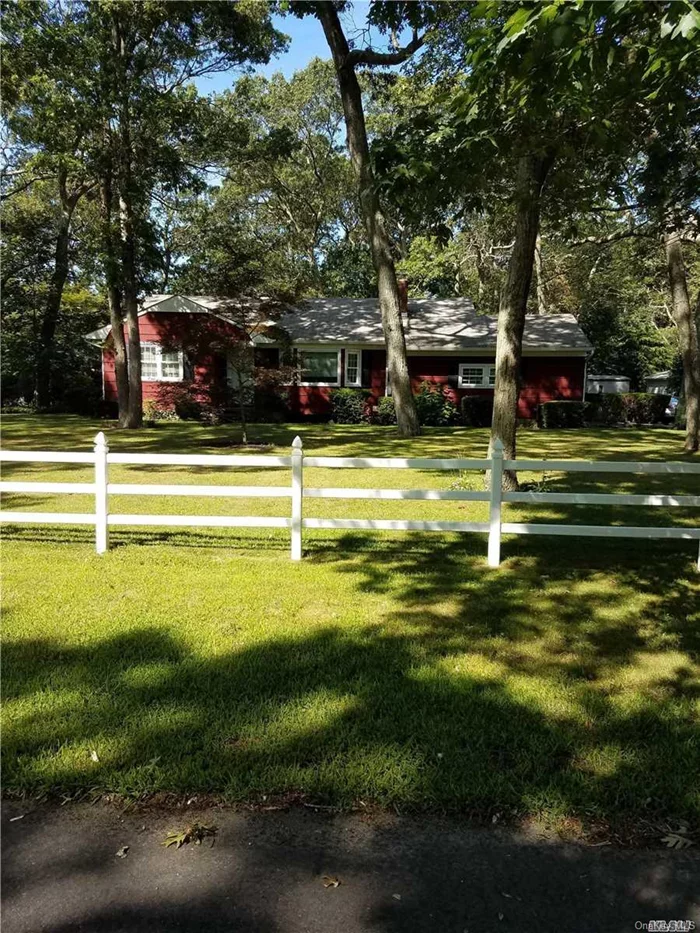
(497, 446)
(296, 443)
(100, 440)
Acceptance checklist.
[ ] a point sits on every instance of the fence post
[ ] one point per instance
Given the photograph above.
(101, 532)
(297, 495)
(494, 556)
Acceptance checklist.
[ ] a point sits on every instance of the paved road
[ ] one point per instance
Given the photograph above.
(264, 874)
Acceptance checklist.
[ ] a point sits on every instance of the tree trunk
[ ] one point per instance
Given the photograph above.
(687, 337)
(541, 293)
(530, 177)
(134, 417)
(241, 405)
(52, 307)
(114, 297)
(374, 221)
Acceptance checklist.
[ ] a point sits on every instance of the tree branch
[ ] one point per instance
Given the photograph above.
(397, 57)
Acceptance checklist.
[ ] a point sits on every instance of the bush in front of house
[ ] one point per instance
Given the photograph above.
(604, 409)
(349, 406)
(433, 407)
(680, 419)
(562, 414)
(627, 408)
(643, 407)
(385, 411)
(270, 406)
(477, 411)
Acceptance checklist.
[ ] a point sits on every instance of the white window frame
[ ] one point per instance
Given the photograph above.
(357, 384)
(159, 363)
(486, 370)
(302, 351)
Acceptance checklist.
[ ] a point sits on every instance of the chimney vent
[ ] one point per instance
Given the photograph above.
(403, 296)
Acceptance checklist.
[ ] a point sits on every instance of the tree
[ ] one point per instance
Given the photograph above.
(518, 102)
(111, 98)
(56, 143)
(149, 53)
(346, 62)
(233, 337)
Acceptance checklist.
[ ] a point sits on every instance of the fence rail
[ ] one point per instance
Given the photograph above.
(494, 466)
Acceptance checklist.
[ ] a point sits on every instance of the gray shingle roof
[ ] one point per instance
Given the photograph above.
(432, 323)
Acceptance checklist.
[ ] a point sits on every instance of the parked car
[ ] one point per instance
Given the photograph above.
(670, 412)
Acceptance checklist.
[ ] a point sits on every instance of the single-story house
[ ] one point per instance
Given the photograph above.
(607, 384)
(659, 383)
(338, 342)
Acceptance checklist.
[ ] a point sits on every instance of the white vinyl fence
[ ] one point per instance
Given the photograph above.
(103, 490)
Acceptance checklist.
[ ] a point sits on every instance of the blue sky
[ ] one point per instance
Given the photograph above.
(307, 42)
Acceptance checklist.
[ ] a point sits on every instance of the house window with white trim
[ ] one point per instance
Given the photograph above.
(319, 367)
(161, 365)
(353, 368)
(476, 376)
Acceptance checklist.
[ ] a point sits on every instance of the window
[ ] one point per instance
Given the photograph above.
(160, 365)
(319, 367)
(149, 362)
(353, 367)
(476, 376)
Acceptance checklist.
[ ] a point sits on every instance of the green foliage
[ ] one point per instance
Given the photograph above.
(434, 407)
(349, 406)
(562, 414)
(476, 410)
(681, 417)
(643, 407)
(604, 408)
(384, 411)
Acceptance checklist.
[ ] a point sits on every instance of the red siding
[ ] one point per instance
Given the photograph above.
(176, 330)
(543, 378)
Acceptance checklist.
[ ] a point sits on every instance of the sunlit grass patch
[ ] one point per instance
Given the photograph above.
(390, 668)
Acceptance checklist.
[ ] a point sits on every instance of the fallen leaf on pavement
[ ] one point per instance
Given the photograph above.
(676, 841)
(195, 833)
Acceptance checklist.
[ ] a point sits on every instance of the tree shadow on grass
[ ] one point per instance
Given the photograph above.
(464, 695)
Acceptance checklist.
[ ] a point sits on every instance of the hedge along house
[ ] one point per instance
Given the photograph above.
(338, 342)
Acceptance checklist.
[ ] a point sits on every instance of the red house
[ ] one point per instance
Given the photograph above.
(339, 342)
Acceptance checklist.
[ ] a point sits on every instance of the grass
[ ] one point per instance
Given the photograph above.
(395, 669)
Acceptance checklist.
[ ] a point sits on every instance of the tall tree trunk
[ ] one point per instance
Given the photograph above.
(541, 291)
(114, 297)
(687, 336)
(374, 221)
(52, 307)
(134, 417)
(531, 174)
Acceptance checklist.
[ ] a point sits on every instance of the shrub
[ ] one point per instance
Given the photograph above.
(152, 413)
(604, 409)
(18, 406)
(433, 407)
(643, 407)
(477, 411)
(681, 417)
(562, 414)
(349, 406)
(270, 406)
(385, 411)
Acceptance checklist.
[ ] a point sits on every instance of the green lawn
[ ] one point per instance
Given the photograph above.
(394, 669)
